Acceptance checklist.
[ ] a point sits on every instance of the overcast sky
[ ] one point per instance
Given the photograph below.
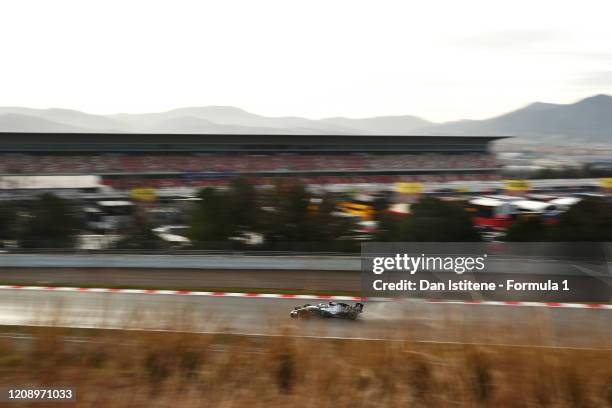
(442, 60)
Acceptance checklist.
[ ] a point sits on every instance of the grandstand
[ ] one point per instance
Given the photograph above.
(170, 160)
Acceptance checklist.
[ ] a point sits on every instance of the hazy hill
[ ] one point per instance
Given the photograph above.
(193, 124)
(12, 122)
(232, 117)
(66, 118)
(588, 120)
(381, 124)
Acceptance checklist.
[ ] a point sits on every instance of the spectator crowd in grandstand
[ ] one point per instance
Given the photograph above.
(238, 163)
(123, 170)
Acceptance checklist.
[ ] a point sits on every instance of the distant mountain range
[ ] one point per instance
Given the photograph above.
(586, 121)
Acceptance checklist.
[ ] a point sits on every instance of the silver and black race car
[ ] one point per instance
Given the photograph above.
(331, 309)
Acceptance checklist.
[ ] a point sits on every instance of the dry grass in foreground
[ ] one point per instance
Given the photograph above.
(157, 369)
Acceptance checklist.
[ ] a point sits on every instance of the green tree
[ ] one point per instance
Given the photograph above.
(243, 203)
(139, 235)
(212, 218)
(390, 227)
(285, 217)
(51, 224)
(430, 220)
(8, 222)
(330, 231)
(590, 220)
(295, 219)
(528, 229)
(288, 216)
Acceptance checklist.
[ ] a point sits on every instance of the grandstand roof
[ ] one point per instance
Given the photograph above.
(109, 142)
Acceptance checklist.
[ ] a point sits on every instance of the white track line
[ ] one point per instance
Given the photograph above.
(296, 296)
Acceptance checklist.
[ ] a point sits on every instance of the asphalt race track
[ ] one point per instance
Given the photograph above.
(410, 320)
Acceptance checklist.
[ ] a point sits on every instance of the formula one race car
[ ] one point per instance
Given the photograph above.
(331, 309)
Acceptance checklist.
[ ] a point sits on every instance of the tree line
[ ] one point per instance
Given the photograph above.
(48, 222)
(290, 217)
(286, 217)
(590, 220)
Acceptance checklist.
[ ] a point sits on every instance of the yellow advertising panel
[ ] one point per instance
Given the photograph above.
(409, 188)
(143, 194)
(605, 182)
(360, 210)
(517, 185)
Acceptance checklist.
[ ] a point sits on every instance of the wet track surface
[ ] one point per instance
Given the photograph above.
(411, 320)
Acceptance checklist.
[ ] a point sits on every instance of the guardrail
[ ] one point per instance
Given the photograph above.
(274, 261)
(63, 251)
(227, 260)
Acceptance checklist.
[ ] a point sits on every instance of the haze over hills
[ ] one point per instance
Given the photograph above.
(586, 121)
